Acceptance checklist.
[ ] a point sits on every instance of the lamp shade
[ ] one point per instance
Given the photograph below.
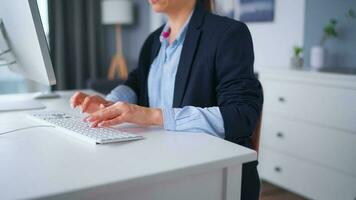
(117, 12)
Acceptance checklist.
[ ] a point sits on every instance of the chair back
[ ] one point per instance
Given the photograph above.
(255, 139)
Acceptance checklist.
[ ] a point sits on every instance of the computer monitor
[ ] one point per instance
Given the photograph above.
(23, 44)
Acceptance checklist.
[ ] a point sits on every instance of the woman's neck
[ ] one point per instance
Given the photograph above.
(177, 19)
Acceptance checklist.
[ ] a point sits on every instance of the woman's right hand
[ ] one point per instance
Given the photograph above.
(87, 103)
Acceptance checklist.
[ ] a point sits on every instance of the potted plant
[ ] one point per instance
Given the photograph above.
(318, 53)
(297, 60)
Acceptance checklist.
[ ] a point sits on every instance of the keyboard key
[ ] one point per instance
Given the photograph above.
(75, 126)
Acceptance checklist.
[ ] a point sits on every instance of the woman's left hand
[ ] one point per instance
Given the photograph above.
(121, 112)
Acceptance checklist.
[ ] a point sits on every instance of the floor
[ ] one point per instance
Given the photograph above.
(272, 192)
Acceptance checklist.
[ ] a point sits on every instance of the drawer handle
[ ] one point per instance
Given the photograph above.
(281, 99)
(278, 169)
(280, 135)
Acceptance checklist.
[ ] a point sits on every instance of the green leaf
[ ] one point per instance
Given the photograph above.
(330, 28)
(297, 51)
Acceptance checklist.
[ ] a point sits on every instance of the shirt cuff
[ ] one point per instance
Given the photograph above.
(169, 122)
(122, 93)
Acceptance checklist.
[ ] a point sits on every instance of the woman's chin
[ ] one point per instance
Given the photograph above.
(158, 9)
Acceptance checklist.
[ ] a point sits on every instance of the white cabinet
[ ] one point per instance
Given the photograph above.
(308, 138)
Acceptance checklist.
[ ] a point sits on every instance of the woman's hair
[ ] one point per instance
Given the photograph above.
(208, 4)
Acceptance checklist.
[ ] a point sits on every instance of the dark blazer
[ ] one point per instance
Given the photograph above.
(215, 69)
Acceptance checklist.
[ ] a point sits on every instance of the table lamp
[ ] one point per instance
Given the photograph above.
(118, 13)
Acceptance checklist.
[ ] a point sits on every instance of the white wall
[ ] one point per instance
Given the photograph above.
(274, 41)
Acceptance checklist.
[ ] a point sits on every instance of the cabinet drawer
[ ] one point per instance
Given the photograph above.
(329, 106)
(307, 179)
(333, 148)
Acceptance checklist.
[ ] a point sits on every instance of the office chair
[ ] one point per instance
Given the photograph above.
(255, 138)
(103, 86)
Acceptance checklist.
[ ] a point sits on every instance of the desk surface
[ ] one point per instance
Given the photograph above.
(43, 162)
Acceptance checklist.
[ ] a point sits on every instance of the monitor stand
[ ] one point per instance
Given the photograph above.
(20, 105)
(10, 103)
(47, 95)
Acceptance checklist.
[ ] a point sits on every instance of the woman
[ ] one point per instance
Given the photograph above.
(194, 74)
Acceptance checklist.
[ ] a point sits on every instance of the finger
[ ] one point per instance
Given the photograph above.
(94, 124)
(105, 114)
(111, 122)
(74, 98)
(101, 106)
(85, 119)
(86, 103)
(77, 98)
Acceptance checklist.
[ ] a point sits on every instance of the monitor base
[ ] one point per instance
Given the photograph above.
(47, 95)
(20, 105)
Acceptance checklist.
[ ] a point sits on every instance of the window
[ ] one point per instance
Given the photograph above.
(13, 83)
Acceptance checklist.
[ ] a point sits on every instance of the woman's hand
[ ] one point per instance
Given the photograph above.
(89, 104)
(123, 112)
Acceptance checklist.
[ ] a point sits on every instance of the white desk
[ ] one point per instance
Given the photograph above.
(43, 163)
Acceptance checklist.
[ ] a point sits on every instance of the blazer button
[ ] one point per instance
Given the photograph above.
(280, 135)
(281, 99)
(278, 169)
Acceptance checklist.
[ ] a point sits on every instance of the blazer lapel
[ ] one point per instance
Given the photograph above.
(185, 65)
(190, 45)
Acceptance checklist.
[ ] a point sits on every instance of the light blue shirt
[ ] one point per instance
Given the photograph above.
(161, 82)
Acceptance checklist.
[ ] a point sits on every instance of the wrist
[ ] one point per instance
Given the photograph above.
(156, 117)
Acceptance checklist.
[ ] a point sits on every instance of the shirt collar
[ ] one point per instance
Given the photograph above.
(181, 35)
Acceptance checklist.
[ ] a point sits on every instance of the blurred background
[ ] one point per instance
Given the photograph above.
(83, 45)
(305, 57)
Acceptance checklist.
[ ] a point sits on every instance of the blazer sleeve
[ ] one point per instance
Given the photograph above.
(239, 93)
(133, 81)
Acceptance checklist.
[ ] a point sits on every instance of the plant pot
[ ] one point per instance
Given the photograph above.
(296, 62)
(317, 57)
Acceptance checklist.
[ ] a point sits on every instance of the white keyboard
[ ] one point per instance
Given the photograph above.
(73, 125)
